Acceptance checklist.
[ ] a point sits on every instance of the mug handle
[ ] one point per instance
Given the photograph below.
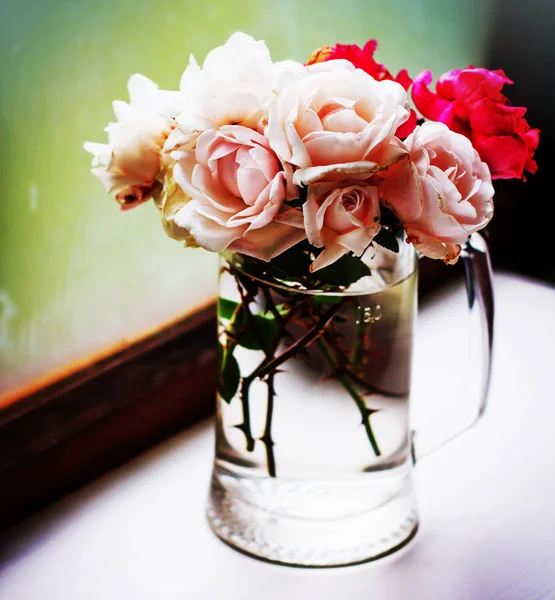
(479, 291)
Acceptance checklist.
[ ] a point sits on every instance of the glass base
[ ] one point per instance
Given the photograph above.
(312, 523)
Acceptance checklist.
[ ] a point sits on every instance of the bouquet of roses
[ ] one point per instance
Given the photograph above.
(256, 157)
(298, 169)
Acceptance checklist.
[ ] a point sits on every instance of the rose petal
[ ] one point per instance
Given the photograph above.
(298, 154)
(505, 155)
(358, 240)
(405, 129)
(293, 217)
(328, 256)
(402, 191)
(179, 140)
(448, 253)
(206, 232)
(269, 242)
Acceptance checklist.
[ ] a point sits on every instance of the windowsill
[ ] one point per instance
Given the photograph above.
(485, 500)
(69, 432)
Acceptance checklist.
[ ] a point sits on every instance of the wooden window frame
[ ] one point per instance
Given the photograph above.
(69, 431)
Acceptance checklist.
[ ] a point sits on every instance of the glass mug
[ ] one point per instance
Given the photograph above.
(313, 460)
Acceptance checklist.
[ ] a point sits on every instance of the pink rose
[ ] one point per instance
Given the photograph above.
(340, 217)
(442, 194)
(330, 120)
(469, 101)
(363, 58)
(237, 188)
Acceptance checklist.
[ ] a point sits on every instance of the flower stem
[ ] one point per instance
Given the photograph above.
(313, 334)
(365, 412)
(246, 299)
(344, 367)
(359, 346)
(266, 438)
(245, 426)
(271, 306)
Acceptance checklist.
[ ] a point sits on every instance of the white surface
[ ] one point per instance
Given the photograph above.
(487, 500)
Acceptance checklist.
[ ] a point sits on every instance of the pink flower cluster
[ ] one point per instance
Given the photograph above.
(470, 102)
(264, 155)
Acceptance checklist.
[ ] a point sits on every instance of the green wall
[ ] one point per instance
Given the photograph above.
(76, 275)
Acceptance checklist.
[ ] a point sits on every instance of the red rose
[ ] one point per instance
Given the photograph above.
(363, 58)
(469, 101)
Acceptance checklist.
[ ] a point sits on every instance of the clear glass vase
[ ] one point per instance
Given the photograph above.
(313, 443)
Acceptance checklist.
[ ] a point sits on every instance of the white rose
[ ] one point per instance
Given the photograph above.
(232, 88)
(130, 165)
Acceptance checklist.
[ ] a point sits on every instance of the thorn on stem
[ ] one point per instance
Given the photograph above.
(266, 439)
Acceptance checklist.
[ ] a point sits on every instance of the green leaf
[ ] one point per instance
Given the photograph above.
(293, 265)
(229, 375)
(250, 284)
(343, 272)
(387, 239)
(226, 308)
(256, 333)
(325, 300)
(259, 334)
(282, 309)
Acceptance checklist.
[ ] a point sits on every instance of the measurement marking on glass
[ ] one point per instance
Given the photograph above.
(369, 314)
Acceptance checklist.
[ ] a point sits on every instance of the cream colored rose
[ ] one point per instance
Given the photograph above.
(233, 86)
(443, 194)
(238, 187)
(130, 165)
(169, 202)
(330, 120)
(341, 217)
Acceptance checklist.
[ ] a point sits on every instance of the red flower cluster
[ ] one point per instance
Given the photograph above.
(363, 58)
(469, 101)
